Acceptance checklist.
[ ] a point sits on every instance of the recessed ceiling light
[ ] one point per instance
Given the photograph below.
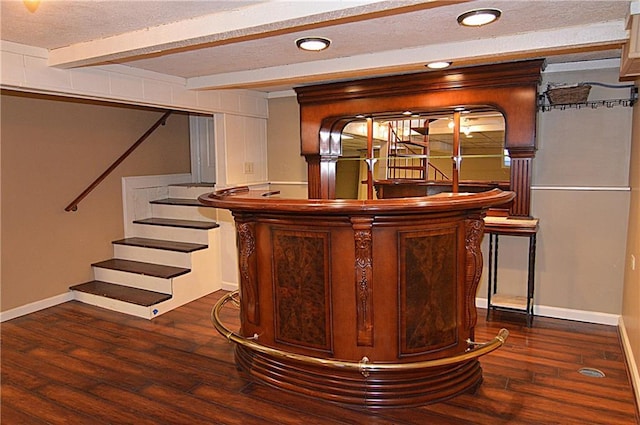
(478, 17)
(313, 44)
(32, 5)
(438, 65)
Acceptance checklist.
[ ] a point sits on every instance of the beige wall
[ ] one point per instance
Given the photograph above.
(348, 179)
(581, 241)
(582, 238)
(51, 150)
(580, 180)
(586, 147)
(583, 223)
(283, 141)
(631, 294)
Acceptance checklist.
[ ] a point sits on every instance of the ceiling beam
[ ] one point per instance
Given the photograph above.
(268, 18)
(606, 35)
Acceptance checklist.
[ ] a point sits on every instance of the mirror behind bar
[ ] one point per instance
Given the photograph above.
(415, 154)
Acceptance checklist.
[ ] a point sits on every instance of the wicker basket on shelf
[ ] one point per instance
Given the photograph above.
(560, 95)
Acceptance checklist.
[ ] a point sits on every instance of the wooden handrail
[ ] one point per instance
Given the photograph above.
(73, 206)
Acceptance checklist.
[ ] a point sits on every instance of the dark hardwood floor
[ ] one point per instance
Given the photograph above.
(78, 364)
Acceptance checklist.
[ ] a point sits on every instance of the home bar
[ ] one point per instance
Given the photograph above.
(371, 301)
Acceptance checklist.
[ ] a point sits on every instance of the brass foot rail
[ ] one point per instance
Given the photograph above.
(73, 206)
(364, 366)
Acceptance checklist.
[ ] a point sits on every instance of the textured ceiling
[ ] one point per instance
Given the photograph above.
(62, 23)
(250, 44)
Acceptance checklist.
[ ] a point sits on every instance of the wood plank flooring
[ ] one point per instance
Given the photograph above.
(79, 364)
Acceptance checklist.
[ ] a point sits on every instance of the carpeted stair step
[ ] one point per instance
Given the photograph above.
(127, 294)
(185, 247)
(138, 267)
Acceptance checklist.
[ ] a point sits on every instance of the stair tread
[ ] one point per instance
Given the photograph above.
(180, 202)
(161, 244)
(122, 293)
(139, 267)
(211, 185)
(171, 222)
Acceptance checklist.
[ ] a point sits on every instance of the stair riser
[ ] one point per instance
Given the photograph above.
(183, 212)
(203, 280)
(150, 255)
(186, 288)
(134, 280)
(177, 234)
(191, 192)
(115, 305)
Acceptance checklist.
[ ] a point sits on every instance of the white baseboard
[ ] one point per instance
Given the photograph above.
(633, 366)
(229, 286)
(35, 306)
(546, 311)
(568, 314)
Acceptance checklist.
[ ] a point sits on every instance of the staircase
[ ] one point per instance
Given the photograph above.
(172, 258)
(409, 151)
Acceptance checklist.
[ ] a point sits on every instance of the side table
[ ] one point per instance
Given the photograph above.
(524, 227)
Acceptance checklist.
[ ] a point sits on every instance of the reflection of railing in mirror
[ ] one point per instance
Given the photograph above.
(418, 150)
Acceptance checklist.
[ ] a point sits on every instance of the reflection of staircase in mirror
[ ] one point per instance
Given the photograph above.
(171, 259)
(409, 152)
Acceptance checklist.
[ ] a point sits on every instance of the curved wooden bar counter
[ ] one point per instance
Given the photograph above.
(368, 303)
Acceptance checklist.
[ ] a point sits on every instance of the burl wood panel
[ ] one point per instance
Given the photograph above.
(429, 302)
(301, 287)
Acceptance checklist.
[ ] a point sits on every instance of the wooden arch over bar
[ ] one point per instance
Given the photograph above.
(510, 88)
